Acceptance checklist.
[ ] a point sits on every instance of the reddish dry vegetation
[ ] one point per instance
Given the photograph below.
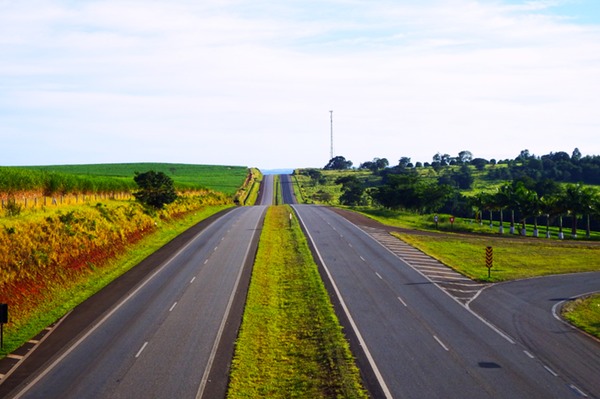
(35, 279)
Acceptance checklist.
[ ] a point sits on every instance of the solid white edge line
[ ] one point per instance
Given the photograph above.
(108, 315)
(141, 349)
(213, 352)
(361, 340)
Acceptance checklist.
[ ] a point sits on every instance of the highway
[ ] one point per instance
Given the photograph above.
(419, 341)
(162, 339)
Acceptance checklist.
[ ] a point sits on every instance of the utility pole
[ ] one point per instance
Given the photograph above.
(331, 147)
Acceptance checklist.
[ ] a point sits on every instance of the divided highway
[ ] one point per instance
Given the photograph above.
(163, 338)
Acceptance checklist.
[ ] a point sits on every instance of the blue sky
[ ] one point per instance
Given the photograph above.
(252, 82)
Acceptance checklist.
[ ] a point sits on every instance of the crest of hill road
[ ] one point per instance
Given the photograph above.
(66, 231)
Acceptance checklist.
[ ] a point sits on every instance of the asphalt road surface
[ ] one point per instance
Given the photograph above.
(266, 193)
(528, 310)
(287, 190)
(419, 342)
(162, 339)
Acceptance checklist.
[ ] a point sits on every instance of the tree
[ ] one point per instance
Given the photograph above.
(338, 163)
(525, 201)
(352, 190)
(156, 189)
(445, 159)
(381, 163)
(376, 165)
(316, 176)
(479, 202)
(479, 163)
(404, 162)
(407, 191)
(523, 156)
(465, 156)
(577, 200)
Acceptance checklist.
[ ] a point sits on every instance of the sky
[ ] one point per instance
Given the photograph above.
(252, 83)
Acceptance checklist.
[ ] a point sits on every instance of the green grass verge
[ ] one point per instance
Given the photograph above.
(584, 313)
(514, 258)
(252, 196)
(290, 343)
(91, 283)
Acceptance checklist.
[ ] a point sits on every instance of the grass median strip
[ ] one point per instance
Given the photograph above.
(290, 343)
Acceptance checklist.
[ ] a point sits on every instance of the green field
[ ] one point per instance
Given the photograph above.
(226, 179)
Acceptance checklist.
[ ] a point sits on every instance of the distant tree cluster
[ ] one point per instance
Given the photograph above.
(558, 166)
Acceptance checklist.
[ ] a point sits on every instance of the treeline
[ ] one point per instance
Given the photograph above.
(557, 166)
(527, 188)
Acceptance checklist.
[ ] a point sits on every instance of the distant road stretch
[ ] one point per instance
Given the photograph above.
(266, 193)
(161, 340)
(287, 189)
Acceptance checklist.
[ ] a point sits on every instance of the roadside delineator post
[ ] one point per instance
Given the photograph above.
(489, 260)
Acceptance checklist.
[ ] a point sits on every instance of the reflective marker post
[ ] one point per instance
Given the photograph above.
(489, 259)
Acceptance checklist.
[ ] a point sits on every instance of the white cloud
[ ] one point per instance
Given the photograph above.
(252, 82)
